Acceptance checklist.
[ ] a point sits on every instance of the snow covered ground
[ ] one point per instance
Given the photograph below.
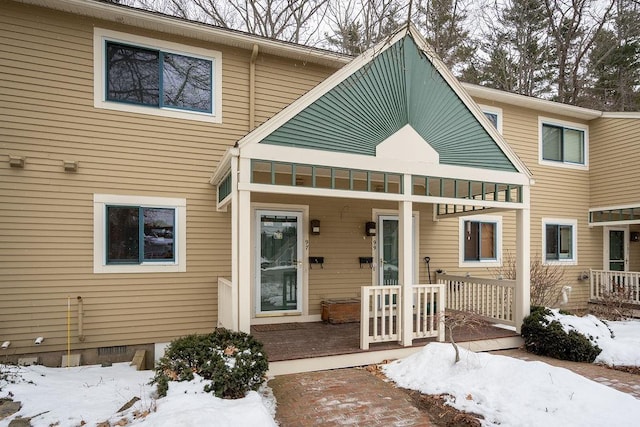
(512, 392)
(93, 394)
(506, 391)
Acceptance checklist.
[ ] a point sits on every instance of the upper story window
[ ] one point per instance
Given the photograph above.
(480, 241)
(494, 114)
(139, 234)
(149, 76)
(564, 144)
(559, 240)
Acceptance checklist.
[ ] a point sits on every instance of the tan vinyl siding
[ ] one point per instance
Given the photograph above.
(46, 215)
(615, 159)
(558, 192)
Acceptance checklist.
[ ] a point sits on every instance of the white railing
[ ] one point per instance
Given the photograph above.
(379, 320)
(381, 308)
(488, 298)
(428, 311)
(225, 314)
(618, 284)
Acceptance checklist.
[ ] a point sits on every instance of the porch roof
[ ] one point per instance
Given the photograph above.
(395, 109)
(615, 215)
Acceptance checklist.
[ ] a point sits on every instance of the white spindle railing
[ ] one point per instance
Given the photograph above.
(379, 314)
(225, 315)
(381, 308)
(489, 298)
(428, 311)
(621, 284)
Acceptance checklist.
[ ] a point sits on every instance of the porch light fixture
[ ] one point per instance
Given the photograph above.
(16, 161)
(315, 227)
(70, 165)
(634, 236)
(370, 228)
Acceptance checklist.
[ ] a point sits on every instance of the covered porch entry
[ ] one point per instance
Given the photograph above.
(343, 193)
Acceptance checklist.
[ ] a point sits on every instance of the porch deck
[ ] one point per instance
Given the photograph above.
(292, 341)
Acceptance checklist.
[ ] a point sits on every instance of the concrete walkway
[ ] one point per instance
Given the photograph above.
(356, 397)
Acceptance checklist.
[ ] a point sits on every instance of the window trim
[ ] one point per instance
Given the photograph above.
(565, 125)
(574, 237)
(100, 203)
(101, 36)
(493, 110)
(495, 219)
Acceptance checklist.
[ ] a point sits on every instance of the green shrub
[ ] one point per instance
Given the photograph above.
(232, 362)
(548, 338)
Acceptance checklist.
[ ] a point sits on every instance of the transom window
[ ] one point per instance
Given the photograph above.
(140, 234)
(156, 78)
(480, 240)
(150, 76)
(563, 144)
(559, 241)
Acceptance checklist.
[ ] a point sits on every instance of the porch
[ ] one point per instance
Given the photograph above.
(299, 347)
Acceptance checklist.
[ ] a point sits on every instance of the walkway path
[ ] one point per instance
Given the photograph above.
(355, 397)
(343, 397)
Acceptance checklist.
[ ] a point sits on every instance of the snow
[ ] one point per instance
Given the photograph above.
(513, 392)
(506, 391)
(93, 394)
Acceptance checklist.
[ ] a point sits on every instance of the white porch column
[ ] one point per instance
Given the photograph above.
(405, 267)
(234, 240)
(523, 256)
(244, 251)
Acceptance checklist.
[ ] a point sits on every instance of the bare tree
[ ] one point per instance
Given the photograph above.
(574, 26)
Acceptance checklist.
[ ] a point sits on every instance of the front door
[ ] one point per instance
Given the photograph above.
(388, 250)
(617, 248)
(278, 261)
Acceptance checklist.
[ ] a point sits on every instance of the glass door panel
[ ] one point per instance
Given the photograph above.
(617, 251)
(279, 261)
(388, 250)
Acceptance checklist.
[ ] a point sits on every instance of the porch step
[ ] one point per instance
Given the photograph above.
(371, 357)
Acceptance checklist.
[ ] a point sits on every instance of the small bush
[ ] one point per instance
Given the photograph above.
(548, 338)
(232, 362)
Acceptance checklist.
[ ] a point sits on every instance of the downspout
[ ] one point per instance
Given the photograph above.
(252, 88)
(81, 336)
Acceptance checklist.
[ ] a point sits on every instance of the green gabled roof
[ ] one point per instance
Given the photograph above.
(399, 86)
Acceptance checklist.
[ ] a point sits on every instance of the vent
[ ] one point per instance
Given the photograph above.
(108, 351)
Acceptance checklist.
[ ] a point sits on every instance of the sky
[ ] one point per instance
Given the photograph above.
(506, 391)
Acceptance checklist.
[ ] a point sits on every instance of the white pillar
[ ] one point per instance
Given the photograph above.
(234, 242)
(405, 267)
(523, 257)
(244, 251)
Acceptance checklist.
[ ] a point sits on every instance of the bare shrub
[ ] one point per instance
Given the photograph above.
(614, 304)
(546, 280)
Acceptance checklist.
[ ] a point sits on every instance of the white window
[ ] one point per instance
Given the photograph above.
(134, 234)
(560, 241)
(563, 144)
(480, 241)
(149, 76)
(494, 114)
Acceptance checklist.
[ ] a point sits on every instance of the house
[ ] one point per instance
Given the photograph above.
(252, 182)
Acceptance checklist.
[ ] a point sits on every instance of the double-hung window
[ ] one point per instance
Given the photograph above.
(480, 240)
(150, 76)
(563, 144)
(138, 234)
(559, 240)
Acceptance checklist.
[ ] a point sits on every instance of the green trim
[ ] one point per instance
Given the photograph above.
(399, 86)
(224, 188)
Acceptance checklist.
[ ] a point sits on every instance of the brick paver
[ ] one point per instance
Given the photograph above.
(343, 397)
(622, 381)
